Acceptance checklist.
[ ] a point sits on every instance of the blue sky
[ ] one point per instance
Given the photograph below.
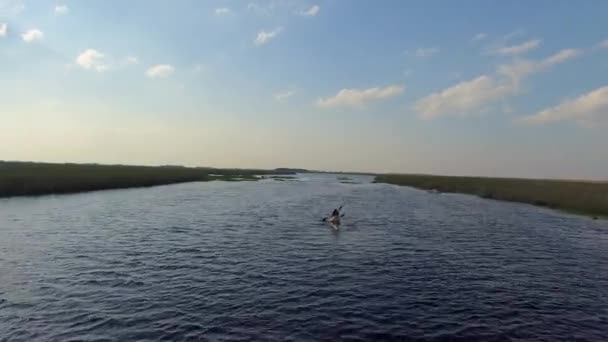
(511, 88)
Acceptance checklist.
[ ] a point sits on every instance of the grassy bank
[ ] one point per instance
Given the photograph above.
(581, 197)
(26, 179)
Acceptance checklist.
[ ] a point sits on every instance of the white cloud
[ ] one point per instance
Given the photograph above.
(519, 69)
(11, 8)
(159, 71)
(560, 57)
(264, 37)
(603, 44)
(91, 59)
(514, 50)
(513, 34)
(259, 9)
(359, 97)
(32, 35)
(471, 96)
(462, 97)
(3, 29)
(199, 68)
(284, 95)
(479, 36)
(586, 109)
(272, 7)
(131, 60)
(426, 52)
(311, 12)
(62, 9)
(222, 11)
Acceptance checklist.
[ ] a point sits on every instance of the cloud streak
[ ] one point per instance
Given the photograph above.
(468, 97)
(262, 10)
(479, 36)
(519, 69)
(311, 12)
(11, 8)
(359, 97)
(462, 97)
(282, 96)
(514, 50)
(3, 30)
(61, 9)
(588, 108)
(222, 11)
(426, 52)
(264, 37)
(513, 34)
(560, 57)
(160, 71)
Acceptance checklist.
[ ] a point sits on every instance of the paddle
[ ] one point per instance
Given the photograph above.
(342, 215)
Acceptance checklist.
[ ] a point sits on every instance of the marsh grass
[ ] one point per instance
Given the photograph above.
(24, 178)
(234, 177)
(279, 178)
(582, 197)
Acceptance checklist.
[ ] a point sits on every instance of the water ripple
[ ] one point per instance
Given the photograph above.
(252, 261)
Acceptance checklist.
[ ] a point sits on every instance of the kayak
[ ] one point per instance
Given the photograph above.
(334, 221)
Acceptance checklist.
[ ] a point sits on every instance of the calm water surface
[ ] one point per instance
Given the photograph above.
(251, 261)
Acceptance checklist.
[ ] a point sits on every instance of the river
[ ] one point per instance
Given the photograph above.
(239, 261)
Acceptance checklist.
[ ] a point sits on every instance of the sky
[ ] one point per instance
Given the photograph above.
(491, 88)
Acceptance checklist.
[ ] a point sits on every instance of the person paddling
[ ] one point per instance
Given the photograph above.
(335, 216)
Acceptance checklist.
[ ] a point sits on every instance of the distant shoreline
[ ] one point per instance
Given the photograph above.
(578, 197)
(36, 179)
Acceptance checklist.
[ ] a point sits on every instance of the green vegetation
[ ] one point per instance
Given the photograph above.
(575, 196)
(354, 173)
(23, 178)
(233, 177)
(289, 171)
(280, 177)
(346, 180)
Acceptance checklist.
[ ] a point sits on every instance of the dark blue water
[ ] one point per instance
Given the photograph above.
(251, 261)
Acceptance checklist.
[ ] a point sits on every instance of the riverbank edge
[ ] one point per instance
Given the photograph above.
(585, 198)
(19, 179)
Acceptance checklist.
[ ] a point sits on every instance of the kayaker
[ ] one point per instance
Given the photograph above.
(335, 216)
